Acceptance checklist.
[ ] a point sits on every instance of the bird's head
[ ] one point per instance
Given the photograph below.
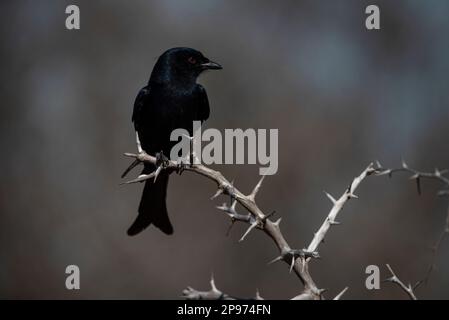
(182, 64)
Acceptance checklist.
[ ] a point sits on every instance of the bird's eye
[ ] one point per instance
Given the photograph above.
(192, 60)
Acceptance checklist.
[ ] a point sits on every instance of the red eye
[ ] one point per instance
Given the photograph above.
(192, 60)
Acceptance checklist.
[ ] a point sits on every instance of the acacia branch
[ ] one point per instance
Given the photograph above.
(297, 259)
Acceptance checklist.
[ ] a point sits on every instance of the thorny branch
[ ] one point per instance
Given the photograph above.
(417, 176)
(297, 259)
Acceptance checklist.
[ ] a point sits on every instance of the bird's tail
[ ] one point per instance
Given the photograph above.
(152, 208)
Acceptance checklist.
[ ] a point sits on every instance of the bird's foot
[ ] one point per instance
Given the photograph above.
(161, 160)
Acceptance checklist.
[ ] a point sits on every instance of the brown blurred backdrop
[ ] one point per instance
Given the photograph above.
(340, 95)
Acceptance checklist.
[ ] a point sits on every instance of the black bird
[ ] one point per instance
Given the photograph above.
(172, 99)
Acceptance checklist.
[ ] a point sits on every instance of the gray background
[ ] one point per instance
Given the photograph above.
(341, 97)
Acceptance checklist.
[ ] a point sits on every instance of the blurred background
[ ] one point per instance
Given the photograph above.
(340, 95)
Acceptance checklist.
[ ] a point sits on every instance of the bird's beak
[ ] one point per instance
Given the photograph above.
(210, 65)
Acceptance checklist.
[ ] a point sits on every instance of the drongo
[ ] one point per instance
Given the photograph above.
(172, 99)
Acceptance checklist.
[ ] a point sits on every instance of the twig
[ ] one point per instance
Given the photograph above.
(213, 294)
(407, 289)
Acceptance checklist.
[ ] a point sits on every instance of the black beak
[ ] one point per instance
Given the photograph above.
(210, 65)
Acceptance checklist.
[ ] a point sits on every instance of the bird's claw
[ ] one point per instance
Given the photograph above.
(162, 160)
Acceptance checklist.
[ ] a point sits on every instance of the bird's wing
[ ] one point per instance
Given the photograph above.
(139, 104)
(203, 104)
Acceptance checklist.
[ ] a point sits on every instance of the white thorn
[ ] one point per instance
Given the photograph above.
(139, 145)
(404, 165)
(223, 207)
(293, 263)
(275, 260)
(415, 176)
(156, 173)
(331, 198)
(338, 296)
(212, 283)
(140, 178)
(251, 227)
(219, 192)
(256, 188)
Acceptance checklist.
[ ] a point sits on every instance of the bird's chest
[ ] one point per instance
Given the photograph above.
(178, 111)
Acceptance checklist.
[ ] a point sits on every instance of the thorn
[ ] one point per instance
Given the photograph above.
(334, 223)
(378, 164)
(332, 199)
(292, 264)
(404, 165)
(278, 221)
(352, 196)
(223, 207)
(156, 173)
(139, 145)
(251, 227)
(418, 284)
(338, 296)
(258, 296)
(384, 172)
(218, 193)
(256, 188)
(276, 260)
(212, 283)
(140, 178)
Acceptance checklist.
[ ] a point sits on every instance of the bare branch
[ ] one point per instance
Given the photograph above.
(212, 294)
(407, 289)
(297, 260)
(337, 207)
